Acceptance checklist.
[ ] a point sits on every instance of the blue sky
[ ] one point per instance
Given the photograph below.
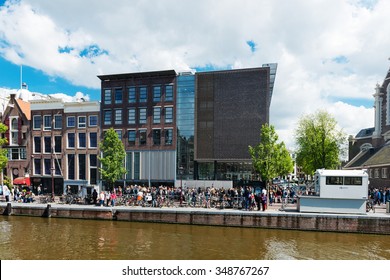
(330, 53)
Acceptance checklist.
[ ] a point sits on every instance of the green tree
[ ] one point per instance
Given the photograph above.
(270, 158)
(113, 156)
(319, 142)
(3, 152)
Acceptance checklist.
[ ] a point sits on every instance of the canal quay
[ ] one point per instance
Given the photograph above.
(274, 217)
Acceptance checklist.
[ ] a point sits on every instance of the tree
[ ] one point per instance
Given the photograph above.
(318, 142)
(113, 156)
(3, 152)
(270, 158)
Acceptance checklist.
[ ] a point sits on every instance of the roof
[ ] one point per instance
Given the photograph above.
(382, 157)
(365, 132)
(164, 73)
(25, 108)
(360, 159)
(341, 172)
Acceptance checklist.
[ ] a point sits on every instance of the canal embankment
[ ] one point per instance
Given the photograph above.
(272, 218)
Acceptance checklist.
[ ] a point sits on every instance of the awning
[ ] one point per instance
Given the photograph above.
(22, 181)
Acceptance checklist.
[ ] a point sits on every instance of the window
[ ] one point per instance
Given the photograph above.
(82, 122)
(82, 141)
(118, 116)
(93, 139)
(168, 93)
(93, 169)
(357, 181)
(119, 132)
(168, 114)
(107, 117)
(57, 166)
(142, 115)
(93, 120)
(156, 94)
(37, 122)
(118, 96)
(37, 145)
(132, 95)
(142, 137)
(156, 114)
(14, 131)
(17, 153)
(71, 140)
(384, 172)
(46, 122)
(131, 119)
(131, 137)
(47, 143)
(107, 96)
(71, 169)
(156, 136)
(37, 166)
(334, 180)
(168, 136)
(376, 173)
(47, 166)
(143, 94)
(58, 122)
(82, 167)
(57, 144)
(71, 121)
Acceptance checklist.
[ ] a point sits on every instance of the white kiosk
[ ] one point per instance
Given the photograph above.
(337, 191)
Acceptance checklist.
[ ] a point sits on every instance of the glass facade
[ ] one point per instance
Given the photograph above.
(185, 106)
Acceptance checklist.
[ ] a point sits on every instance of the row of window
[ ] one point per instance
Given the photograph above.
(138, 94)
(142, 136)
(45, 167)
(49, 123)
(378, 173)
(116, 116)
(74, 140)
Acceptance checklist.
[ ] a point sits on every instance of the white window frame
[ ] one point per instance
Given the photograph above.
(81, 124)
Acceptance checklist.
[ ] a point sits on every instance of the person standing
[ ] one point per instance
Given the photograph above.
(94, 196)
(113, 198)
(101, 198)
(6, 192)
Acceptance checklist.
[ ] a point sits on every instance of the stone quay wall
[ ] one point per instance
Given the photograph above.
(287, 220)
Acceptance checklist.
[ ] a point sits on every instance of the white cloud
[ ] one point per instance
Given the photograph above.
(328, 51)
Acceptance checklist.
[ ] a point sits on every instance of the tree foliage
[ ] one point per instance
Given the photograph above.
(319, 142)
(3, 152)
(113, 156)
(270, 158)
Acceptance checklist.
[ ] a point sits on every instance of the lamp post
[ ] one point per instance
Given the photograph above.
(181, 169)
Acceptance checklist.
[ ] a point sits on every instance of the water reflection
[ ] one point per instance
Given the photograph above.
(40, 238)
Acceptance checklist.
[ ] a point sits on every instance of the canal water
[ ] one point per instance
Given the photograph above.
(71, 239)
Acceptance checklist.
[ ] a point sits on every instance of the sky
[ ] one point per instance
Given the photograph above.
(330, 53)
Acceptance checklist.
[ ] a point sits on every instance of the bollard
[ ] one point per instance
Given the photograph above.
(47, 212)
(388, 207)
(7, 210)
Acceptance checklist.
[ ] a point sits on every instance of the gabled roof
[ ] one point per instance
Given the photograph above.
(25, 108)
(359, 161)
(382, 157)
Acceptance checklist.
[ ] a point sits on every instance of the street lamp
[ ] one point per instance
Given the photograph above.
(181, 171)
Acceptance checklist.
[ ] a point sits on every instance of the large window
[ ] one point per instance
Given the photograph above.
(71, 121)
(37, 166)
(156, 114)
(132, 95)
(118, 96)
(37, 122)
(107, 96)
(340, 180)
(37, 145)
(93, 169)
(107, 117)
(47, 166)
(58, 122)
(57, 144)
(47, 143)
(14, 131)
(118, 116)
(47, 122)
(71, 140)
(168, 93)
(82, 122)
(142, 137)
(168, 134)
(82, 167)
(156, 136)
(82, 140)
(156, 94)
(131, 137)
(142, 115)
(168, 114)
(71, 168)
(131, 117)
(143, 94)
(93, 140)
(93, 120)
